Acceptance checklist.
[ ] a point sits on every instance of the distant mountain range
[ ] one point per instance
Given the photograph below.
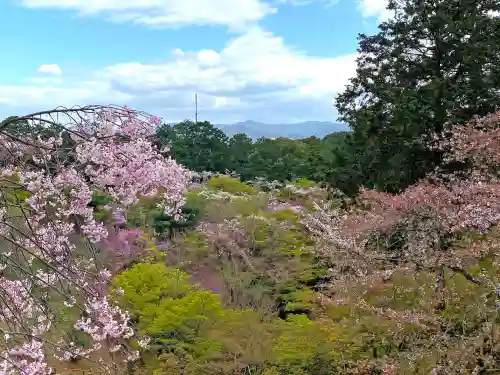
(306, 129)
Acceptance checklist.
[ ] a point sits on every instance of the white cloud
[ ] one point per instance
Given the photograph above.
(327, 3)
(296, 2)
(170, 13)
(45, 80)
(50, 69)
(255, 76)
(51, 95)
(253, 63)
(374, 8)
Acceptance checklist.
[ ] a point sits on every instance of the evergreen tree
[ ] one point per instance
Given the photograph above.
(433, 62)
(240, 146)
(198, 145)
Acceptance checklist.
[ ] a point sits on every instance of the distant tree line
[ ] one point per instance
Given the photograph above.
(202, 147)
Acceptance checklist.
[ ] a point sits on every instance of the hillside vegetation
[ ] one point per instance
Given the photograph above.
(131, 247)
(273, 280)
(264, 283)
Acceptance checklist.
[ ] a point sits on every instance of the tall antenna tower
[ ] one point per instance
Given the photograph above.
(196, 108)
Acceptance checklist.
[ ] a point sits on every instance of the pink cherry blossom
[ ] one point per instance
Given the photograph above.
(110, 150)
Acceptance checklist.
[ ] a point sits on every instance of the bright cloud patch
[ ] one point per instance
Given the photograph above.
(252, 65)
(49, 95)
(233, 13)
(50, 69)
(255, 74)
(374, 8)
(327, 3)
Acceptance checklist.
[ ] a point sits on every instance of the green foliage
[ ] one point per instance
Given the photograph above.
(240, 147)
(175, 313)
(304, 183)
(230, 185)
(301, 341)
(11, 125)
(300, 301)
(146, 214)
(197, 244)
(422, 69)
(12, 192)
(202, 147)
(273, 264)
(145, 284)
(100, 199)
(249, 206)
(180, 324)
(199, 146)
(279, 309)
(285, 215)
(281, 159)
(194, 333)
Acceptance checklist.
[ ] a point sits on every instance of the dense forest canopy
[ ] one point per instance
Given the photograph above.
(202, 147)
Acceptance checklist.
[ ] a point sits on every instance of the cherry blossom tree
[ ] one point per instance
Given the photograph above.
(52, 280)
(418, 227)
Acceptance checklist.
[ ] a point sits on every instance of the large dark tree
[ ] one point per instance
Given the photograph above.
(279, 159)
(435, 61)
(199, 146)
(240, 147)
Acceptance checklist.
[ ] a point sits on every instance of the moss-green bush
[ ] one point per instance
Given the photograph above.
(304, 183)
(176, 314)
(231, 185)
(194, 333)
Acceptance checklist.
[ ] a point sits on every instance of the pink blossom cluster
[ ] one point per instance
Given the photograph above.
(122, 242)
(133, 168)
(465, 200)
(303, 191)
(127, 169)
(276, 205)
(35, 149)
(470, 203)
(44, 259)
(26, 359)
(477, 141)
(329, 225)
(17, 304)
(106, 323)
(119, 219)
(438, 207)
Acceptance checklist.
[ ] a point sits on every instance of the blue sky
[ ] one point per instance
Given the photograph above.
(273, 61)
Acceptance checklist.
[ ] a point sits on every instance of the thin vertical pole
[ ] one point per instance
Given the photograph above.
(196, 108)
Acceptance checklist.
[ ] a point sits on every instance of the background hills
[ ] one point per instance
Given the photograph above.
(297, 130)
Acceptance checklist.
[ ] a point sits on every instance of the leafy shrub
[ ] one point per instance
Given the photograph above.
(193, 333)
(231, 185)
(304, 347)
(176, 314)
(146, 214)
